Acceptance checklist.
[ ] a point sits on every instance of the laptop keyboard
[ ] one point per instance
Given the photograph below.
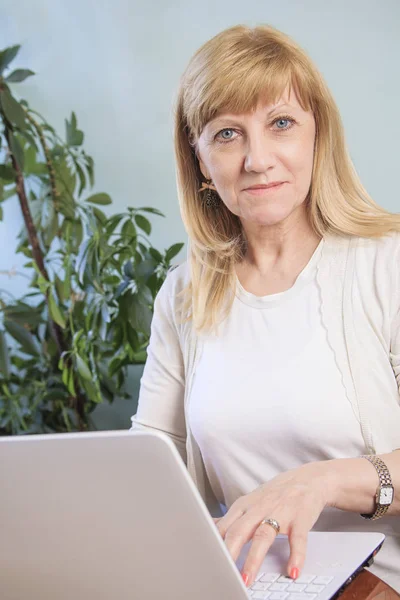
(275, 586)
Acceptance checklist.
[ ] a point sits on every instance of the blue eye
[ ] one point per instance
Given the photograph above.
(223, 136)
(284, 119)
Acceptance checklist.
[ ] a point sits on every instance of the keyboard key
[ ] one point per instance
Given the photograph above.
(301, 596)
(285, 579)
(314, 589)
(261, 595)
(278, 596)
(305, 578)
(260, 587)
(269, 577)
(323, 579)
(297, 587)
(278, 587)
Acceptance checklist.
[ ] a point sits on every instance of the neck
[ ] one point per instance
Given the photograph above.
(281, 246)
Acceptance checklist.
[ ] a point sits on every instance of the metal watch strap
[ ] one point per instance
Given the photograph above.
(384, 479)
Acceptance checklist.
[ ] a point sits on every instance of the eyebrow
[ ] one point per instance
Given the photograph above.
(227, 119)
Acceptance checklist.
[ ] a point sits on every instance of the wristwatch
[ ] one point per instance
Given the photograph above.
(385, 491)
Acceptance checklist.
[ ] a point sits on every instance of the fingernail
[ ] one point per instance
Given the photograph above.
(294, 573)
(245, 578)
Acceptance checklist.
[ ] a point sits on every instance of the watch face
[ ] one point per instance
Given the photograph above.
(386, 496)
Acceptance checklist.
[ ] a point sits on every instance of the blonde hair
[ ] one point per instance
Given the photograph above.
(230, 73)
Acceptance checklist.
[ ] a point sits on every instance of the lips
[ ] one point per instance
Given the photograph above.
(265, 187)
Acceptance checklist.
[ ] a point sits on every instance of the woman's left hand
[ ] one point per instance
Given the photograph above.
(295, 499)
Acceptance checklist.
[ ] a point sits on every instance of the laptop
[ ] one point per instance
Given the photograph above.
(115, 514)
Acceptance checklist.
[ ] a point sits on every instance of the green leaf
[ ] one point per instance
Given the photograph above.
(24, 314)
(145, 268)
(9, 194)
(65, 180)
(113, 223)
(82, 258)
(128, 230)
(7, 56)
(173, 251)
(74, 136)
(19, 75)
(154, 211)
(122, 288)
(30, 158)
(112, 280)
(129, 270)
(17, 151)
(145, 295)
(66, 206)
(155, 254)
(99, 199)
(153, 283)
(51, 229)
(7, 174)
(105, 313)
(90, 169)
(30, 138)
(132, 337)
(143, 223)
(82, 178)
(140, 357)
(23, 337)
(12, 109)
(139, 315)
(4, 356)
(83, 368)
(70, 382)
(55, 312)
(60, 288)
(100, 216)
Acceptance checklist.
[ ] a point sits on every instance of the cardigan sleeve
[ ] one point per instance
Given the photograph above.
(162, 386)
(395, 321)
(395, 349)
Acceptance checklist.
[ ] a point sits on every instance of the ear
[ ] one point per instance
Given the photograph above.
(203, 168)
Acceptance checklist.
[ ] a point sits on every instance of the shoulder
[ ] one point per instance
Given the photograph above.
(383, 246)
(169, 297)
(381, 255)
(177, 279)
(381, 249)
(373, 264)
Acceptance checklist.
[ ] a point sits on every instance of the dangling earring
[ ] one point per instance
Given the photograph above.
(212, 199)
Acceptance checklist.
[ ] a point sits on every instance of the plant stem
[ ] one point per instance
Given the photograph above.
(49, 164)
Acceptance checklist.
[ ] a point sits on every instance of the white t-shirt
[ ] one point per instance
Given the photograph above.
(268, 396)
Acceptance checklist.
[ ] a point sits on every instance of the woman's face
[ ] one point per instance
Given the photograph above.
(273, 143)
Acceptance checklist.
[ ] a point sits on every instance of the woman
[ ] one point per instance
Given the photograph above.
(274, 358)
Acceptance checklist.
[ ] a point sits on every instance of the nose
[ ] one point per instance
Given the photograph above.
(259, 154)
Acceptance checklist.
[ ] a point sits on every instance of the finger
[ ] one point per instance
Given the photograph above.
(229, 518)
(263, 538)
(298, 547)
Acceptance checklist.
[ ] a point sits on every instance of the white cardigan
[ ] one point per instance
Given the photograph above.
(359, 280)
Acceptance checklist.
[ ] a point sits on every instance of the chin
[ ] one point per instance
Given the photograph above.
(268, 217)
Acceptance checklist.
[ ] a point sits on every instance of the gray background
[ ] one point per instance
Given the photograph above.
(117, 64)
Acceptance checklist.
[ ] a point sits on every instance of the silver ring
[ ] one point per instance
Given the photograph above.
(273, 523)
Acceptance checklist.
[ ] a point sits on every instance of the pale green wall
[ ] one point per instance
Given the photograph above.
(117, 64)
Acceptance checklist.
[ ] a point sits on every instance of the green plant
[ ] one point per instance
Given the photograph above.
(66, 345)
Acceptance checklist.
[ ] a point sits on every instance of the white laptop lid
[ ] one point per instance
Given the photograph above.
(105, 515)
